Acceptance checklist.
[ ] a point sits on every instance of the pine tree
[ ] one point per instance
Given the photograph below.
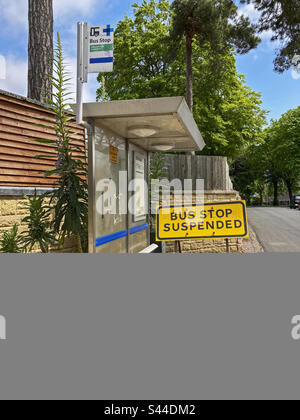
(282, 17)
(40, 49)
(214, 22)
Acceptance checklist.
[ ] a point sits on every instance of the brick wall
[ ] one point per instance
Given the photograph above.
(22, 121)
(209, 245)
(12, 210)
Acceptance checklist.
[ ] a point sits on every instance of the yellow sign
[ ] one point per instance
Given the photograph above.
(113, 154)
(211, 220)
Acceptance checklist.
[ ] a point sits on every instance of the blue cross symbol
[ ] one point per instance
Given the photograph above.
(108, 30)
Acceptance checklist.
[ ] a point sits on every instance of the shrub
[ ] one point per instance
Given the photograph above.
(10, 242)
(39, 225)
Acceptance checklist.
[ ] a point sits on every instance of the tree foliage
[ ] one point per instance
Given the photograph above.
(10, 242)
(38, 225)
(274, 162)
(282, 17)
(284, 140)
(143, 66)
(213, 22)
(228, 112)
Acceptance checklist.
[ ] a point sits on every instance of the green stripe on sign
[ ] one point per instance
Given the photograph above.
(106, 47)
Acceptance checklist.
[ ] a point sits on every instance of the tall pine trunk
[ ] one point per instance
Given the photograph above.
(261, 198)
(275, 200)
(40, 49)
(189, 71)
(290, 191)
(261, 195)
(189, 92)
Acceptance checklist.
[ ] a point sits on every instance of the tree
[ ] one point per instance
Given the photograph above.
(215, 22)
(275, 161)
(282, 17)
(143, 67)
(228, 113)
(243, 177)
(249, 174)
(284, 136)
(40, 49)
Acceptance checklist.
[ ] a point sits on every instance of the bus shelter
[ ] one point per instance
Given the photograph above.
(120, 138)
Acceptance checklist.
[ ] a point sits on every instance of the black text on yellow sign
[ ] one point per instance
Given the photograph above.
(203, 221)
(113, 155)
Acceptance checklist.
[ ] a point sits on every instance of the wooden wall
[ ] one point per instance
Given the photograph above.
(213, 169)
(19, 119)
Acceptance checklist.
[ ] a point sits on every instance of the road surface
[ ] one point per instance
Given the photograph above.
(277, 229)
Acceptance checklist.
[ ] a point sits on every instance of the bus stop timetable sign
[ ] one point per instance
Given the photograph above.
(101, 49)
(202, 221)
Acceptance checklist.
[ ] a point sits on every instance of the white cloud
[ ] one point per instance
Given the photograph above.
(2, 67)
(249, 11)
(89, 89)
(16, 76)
(71, 7)
(14, 17)
(15, 12)
(267, 35)
(16, 79)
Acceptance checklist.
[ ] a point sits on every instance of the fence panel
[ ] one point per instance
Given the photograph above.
(21, 121)
(213, 169)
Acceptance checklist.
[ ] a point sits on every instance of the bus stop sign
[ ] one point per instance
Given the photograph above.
(100, 49)
(202, 221)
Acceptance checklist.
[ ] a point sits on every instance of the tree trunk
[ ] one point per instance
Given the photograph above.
(79, 244)
(189, 92)
(261, 190)
(189, 72)
(291, 196)
(40, 49)
(43, 249)
(275, 200)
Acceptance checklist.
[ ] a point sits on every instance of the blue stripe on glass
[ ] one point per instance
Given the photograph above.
(101, 60)
(110, 238)
(138, 228)
(119, 235)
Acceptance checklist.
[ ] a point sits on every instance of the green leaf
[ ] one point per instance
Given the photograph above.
(50, 173)
(45, 141)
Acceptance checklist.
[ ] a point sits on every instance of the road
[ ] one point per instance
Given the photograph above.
(277, 229)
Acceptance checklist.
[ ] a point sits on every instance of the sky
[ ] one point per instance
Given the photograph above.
(280, 92)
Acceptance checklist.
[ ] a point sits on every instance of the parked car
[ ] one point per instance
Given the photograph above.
(296, 203)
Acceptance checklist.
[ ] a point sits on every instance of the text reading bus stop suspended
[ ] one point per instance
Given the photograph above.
(202, 221)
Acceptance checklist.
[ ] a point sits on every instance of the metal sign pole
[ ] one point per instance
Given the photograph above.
(227, 246)
(82, 70)
(94, 55)
(79, 72)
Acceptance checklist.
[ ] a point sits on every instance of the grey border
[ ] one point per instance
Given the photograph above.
(21, 191)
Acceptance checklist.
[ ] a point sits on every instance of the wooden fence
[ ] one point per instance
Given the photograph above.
(20, 123)
(213, 169)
